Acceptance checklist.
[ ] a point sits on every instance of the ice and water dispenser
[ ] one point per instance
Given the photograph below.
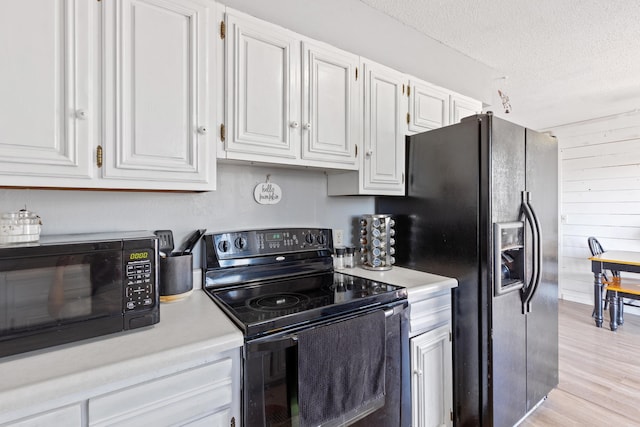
(509, 257)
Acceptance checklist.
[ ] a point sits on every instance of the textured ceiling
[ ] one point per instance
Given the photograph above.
(566, 60)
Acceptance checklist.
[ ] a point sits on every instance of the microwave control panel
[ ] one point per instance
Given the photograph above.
(140, 286)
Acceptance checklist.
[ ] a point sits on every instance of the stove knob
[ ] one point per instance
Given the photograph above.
(321, 239)
(309, 238)
(240, 242)
(223, 245)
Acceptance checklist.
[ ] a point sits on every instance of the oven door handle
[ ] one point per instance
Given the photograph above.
(271, 345)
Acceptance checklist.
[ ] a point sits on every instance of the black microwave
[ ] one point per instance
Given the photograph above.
(72, 287)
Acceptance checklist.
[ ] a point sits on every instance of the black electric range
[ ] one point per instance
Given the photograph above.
(279, 287)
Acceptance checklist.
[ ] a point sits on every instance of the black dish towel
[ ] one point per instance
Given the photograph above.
(341, 370)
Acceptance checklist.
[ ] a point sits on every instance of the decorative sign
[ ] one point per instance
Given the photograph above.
(267, 193)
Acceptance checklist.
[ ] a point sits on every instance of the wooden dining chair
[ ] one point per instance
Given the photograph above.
(614, 286)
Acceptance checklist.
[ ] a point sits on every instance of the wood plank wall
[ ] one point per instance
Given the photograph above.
(599, 195)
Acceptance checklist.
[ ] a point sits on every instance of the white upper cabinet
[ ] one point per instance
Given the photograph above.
(428, 106)
(263, 88)
(462, 106)
(158, 95)
(112, 94)
(384, 129)
(289, 100)
(331, 119)
(45, 109)
(382, 161)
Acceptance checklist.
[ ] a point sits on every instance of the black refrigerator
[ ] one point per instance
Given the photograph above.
(481, 206)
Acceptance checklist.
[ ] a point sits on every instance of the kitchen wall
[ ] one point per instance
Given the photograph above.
(231, 207)
(600, 183)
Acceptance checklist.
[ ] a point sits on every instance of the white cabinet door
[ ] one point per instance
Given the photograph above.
(431, 384)
(384, 130)
(45, 111)
(462, 107)
(331, 118)
(157, 94)
(428, 106)
(198, 395)
(67, 416)
(262, 91)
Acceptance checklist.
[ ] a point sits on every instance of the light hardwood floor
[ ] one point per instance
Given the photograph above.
(599, 373)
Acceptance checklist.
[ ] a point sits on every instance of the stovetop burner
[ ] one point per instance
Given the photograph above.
(278, 302)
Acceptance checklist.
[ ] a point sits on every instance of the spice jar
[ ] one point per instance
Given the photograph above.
(348, 257)
(338, 261)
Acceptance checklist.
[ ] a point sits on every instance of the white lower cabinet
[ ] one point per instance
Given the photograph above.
(200, 395)
(431, 383)
(431, 360)
(204, 395)
(67, 416)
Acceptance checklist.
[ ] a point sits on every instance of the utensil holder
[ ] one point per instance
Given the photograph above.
(376, 237)
(176, 277)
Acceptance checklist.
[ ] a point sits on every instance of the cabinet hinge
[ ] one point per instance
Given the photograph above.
(403, 88)
(408, 90)
(408, 118)
(450, 337)
(222, 132)
(403, 177)
(99, 156)
(451, 414)
(233, 421)
(356, 73)
(223, 30)
(356, 150)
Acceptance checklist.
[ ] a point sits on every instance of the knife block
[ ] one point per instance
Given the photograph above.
(176, 277)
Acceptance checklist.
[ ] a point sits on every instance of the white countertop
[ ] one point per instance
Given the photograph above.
(417, 283)
(191, 332)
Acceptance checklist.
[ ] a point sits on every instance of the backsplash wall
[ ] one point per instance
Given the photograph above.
(231, 207)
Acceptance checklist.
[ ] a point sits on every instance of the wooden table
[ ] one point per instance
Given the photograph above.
(611, 260)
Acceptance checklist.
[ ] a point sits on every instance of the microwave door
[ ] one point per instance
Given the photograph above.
(51, 291)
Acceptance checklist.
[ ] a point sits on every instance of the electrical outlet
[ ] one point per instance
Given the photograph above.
(338, 237)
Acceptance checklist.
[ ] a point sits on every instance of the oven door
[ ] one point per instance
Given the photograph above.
(271, 386)
(53, 299)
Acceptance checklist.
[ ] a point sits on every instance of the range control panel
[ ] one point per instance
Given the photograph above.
(139, 287)
(264, 242)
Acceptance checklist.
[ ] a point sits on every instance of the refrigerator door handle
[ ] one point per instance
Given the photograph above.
(531, 217)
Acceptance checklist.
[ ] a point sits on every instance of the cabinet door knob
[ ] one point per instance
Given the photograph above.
(418, 372)
(202, 130)
(369, 153)
(307, 126)
(294, 124)
(81, 114)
